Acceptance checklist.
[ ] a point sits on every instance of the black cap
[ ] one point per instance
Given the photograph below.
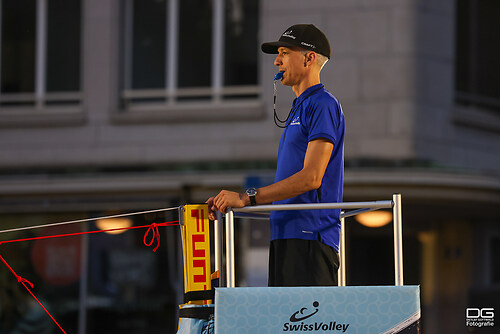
(305, 36)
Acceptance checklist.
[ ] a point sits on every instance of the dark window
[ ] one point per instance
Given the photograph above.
(477, 52)
(149, 37)
(195, 43)
(495, 260)
(370, 255)
(130, 287)
(190, 50)
(18, 31)
(40, 51)
(242, 25)
(63, 45)
(97, 283)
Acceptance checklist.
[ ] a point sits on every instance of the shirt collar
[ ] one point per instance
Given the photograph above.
(305, 94)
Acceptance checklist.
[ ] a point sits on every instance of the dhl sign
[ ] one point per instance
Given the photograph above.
(196, 240)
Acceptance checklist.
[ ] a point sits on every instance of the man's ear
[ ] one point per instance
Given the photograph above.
(309, 58)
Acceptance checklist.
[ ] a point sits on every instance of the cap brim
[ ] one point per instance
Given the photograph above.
(272, 47)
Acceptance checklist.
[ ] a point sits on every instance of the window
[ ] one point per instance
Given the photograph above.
(96, 283)
(178, 52)
(495, 260)
(477, 53)
(40, 52)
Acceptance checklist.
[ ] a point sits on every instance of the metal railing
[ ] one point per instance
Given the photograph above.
(256, 212)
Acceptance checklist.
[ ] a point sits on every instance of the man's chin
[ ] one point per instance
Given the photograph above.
(285, 82)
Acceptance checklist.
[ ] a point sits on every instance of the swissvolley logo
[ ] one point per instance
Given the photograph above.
(298, 324)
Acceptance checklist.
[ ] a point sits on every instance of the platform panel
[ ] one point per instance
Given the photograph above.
(382, 309)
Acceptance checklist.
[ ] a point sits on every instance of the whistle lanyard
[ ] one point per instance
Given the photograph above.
(279, 123)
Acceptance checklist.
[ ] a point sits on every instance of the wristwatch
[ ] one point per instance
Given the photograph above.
(251, 192)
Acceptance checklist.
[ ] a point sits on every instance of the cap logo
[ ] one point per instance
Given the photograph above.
(308, 45)
(288, 34)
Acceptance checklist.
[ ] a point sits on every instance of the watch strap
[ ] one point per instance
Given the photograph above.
(251, 192)
(253, 202)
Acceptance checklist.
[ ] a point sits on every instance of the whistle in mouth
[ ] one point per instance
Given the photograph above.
(279, 75)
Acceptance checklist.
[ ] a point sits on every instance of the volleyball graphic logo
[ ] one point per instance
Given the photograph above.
(303, 314)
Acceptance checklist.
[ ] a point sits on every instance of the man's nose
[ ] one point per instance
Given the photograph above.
(277, 61)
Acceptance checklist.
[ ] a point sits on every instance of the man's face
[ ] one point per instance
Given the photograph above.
(291, 61)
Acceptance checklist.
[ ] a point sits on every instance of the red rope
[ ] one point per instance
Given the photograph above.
(152, 227)
(23, 281)
(171, 223)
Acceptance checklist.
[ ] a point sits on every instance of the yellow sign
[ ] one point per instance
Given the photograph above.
(196, 239)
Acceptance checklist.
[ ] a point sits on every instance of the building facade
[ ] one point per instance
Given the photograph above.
(118, 106)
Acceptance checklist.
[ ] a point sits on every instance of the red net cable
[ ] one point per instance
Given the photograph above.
(151, 228)
(23, 281)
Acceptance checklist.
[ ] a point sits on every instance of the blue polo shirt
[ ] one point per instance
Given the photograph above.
(317, 114)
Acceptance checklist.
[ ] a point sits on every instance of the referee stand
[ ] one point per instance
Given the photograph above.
(342, 309)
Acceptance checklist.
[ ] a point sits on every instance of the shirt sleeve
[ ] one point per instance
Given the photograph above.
(323, 120)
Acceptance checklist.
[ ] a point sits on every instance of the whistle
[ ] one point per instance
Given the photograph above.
(279, 75)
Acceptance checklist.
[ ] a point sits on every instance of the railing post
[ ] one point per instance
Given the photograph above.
(230, 277)
(181, 229)
(398, 239)
(342, 278)
(218, 246)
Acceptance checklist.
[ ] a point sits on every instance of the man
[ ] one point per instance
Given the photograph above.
(304, 244)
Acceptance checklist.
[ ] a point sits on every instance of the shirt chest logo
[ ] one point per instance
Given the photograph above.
(295, 121)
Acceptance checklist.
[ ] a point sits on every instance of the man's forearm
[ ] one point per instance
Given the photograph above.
(292, 186)
(308, 178)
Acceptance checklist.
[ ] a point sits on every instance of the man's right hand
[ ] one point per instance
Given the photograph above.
(226, 199)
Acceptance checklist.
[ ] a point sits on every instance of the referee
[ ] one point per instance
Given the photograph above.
(310, 167)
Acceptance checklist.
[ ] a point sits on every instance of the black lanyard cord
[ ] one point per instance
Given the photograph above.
(284, 123)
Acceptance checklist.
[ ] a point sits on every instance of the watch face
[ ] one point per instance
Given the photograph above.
(251, 191)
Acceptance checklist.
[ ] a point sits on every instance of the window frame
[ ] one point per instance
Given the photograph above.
(213, 107)
(35, 108)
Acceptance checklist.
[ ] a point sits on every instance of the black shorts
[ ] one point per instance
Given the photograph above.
(297, 262)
